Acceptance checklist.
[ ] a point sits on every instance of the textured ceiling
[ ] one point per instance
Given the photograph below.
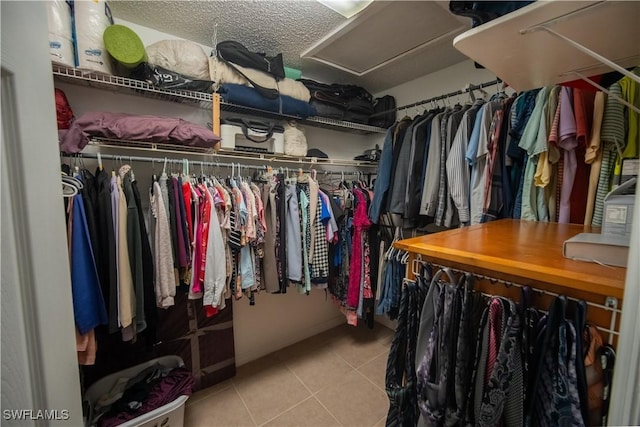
(286, 26)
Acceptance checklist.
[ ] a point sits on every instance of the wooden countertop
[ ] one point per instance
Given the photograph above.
(521, 251)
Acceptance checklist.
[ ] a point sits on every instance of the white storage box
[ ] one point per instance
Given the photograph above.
(169, 415)
(245, 135)
(618, 211)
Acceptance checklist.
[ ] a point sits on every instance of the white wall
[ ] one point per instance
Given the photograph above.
(279, 320)
(447, 80)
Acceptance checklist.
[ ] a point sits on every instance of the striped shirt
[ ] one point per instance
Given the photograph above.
(457, 167)
(612, 135)
(432, 174)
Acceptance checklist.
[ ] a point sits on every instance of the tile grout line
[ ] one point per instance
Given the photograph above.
(327, 409)
(374, 384)
(244, 403)
(313, 395)
(351, 364)
(361, 373)
(285, 411)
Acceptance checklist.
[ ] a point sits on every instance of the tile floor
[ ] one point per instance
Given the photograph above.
(335, 378)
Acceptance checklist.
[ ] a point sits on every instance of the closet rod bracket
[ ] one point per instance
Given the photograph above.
(612, 302)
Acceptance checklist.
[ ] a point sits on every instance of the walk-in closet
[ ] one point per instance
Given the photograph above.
(320, 213)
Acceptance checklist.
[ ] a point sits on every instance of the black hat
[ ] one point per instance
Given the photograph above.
(314, 152)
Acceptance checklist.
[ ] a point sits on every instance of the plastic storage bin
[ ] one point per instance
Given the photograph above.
(236, 138)
(169, 415)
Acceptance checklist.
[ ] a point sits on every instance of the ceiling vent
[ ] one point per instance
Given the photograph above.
(385, 32)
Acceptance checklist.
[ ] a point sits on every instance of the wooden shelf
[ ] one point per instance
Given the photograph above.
(529, 253)
(532, 59)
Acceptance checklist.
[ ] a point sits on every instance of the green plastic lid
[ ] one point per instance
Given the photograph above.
(124, 45)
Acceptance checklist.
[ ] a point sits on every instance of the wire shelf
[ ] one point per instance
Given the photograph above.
(198, 99)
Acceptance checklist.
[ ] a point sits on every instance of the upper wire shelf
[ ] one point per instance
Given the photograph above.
(198, 99)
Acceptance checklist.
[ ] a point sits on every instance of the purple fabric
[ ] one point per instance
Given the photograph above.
(568, 142)
(178, 383)
(165, 130)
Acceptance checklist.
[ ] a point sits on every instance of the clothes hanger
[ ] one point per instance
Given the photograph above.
(133, 175)
(68, 190)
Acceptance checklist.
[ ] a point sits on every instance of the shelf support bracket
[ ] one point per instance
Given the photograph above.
(612, 303)
(605, 90)
(584, 50)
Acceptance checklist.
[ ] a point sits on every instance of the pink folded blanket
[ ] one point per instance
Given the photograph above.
(166, 130)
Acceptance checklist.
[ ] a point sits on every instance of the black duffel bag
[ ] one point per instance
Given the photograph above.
(232, 51)
(328, 105)
(358, 111)
(384, 112)
(167, 79)
(341, 102)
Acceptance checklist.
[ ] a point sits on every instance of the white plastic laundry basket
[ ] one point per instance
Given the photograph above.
(169, 415)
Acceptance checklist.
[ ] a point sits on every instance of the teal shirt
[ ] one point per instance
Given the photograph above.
(534, 142)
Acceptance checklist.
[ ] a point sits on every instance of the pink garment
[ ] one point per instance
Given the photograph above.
(360, 224)
(568, 142)
(206, 206)
(195, 242)
(167, 130)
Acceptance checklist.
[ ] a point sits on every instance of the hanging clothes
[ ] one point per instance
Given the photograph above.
(630, 91)
(534, 141)
(149, 306)
(583, 104)
(499, 385)
(165, 281)
(215, 268)
(270, 264)
(612, 134)
(556, 367)
(134, 246)
(456, 167)
(106, 236)
(400, 379)
(88, 305)
(126, 290)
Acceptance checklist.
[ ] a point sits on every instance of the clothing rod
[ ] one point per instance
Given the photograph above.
(199, 162)
(467, 89)
(613, 308)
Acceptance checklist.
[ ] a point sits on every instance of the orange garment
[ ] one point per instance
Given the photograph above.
(87, 347)
(593, 370)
